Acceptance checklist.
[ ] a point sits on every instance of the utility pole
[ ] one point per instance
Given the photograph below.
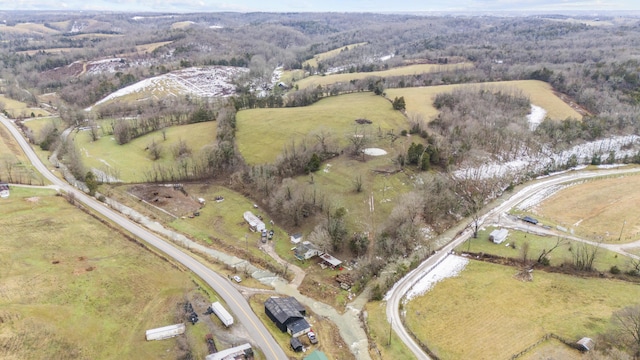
(246, 240)
(620, 237)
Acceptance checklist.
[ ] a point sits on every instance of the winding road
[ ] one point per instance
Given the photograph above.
(238, 305)
(395, 295)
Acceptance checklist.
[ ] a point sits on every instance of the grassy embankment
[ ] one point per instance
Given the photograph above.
(131, 161)
(73, 288)
(493, 315)
(313, 62)
(315, 80)
(17, 108)
(15, 166)
(419, 100)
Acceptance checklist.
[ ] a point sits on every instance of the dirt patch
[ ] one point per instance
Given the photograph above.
(33, 199)
(173, 199)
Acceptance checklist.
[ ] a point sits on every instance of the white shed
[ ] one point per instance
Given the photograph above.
(165, 332)
(222, 314)
(498, 235)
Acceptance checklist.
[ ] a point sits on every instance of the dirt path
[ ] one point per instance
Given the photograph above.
(299, 273)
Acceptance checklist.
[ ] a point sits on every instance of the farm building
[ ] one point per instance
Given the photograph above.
(255, 224)
(316, 355)
(240, 352)
(498, 236)
(288, 315)
(296, 345)
(307, 250)
(4, 190)
(586, 344)
(296, 238)
(330, 260)
(165, 332)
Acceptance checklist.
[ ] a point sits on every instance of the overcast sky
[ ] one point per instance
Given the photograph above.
(322, 5)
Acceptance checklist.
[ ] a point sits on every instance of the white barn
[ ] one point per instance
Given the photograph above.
(498, 236)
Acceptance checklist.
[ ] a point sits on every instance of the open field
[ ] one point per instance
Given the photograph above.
(17, 108)
(95, 36)
(604, 260)
(329, 340)
(493, 315)
(329, 54)
(73, 288)
(131, 161)
(419, 100)
(27, 29)
(263, 133)
(602, 208)
(14, 166)
(147, 48)
(37, 124)
(48, 51)
(315, 80)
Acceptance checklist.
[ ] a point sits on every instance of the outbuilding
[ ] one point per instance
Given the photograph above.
(296, 238)
(316, 355)
(255, 224)
(288, 315)
(585, 344)
(243, 351)
(165, 332)
(4, 190)
(296, 345)
(330, 260)
(498, 236)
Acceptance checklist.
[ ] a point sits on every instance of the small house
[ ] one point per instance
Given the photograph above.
(498, 236)
(296, 238)
(306, 251)
(585, 344)
(4, 190)
(255, 224)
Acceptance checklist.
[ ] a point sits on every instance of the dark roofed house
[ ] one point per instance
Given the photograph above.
(288, 315)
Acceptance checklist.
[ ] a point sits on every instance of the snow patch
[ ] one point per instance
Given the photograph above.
(536, 116)
(374, 152)
(451, 266)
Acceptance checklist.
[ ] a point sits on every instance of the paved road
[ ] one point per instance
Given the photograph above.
(238, 305)
(400, 289)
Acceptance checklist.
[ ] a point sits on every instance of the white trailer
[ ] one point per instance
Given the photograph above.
(165, 332)
(222, 314)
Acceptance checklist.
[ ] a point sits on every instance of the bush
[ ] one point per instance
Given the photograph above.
(615, 270)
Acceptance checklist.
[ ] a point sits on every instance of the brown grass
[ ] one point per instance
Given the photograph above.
(602, 208)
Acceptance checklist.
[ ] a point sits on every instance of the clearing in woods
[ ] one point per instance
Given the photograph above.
(494, 315)
(419, 100)
(73, 288)
(329, 54)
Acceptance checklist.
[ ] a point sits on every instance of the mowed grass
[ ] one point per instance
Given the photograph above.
(387, 345)
(315, 80)
(603, 262)
(37, 124)
(263, 133)
(604, 209)
(72, 288)
(419, 100)
(329, 54)
(493, 316)
(17, 108)
(131, 161)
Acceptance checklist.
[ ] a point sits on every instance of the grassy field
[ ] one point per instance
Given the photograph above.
(131, 160)
(493, 315)
(14, 166)
(378, 327)
(72, 288)
(605, 259)
(315, 80)
(146, 48)
(329, 54)
(263, 133)
(27, 28)
(419, 100)
(17, 108)
(605, 208)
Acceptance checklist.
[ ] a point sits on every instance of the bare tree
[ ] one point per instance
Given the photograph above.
(627, 323)
(475, 190)
(584, 255)
(155, 150)
(93, 130)
(545, 253)
(358, 140)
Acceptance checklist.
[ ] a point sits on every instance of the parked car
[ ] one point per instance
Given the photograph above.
(236, 278)
(312, 337)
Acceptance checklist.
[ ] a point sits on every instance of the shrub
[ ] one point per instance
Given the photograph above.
(615, 270)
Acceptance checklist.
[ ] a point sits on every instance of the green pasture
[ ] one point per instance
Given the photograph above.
(329, 54)
(604, 260)
(387, 343)
(36, 125)
(17, 108)
(73, 288)
(419, 100)
(131, 161)
(486, 313)
(14, 165)
(320, 80)
(263, 134)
